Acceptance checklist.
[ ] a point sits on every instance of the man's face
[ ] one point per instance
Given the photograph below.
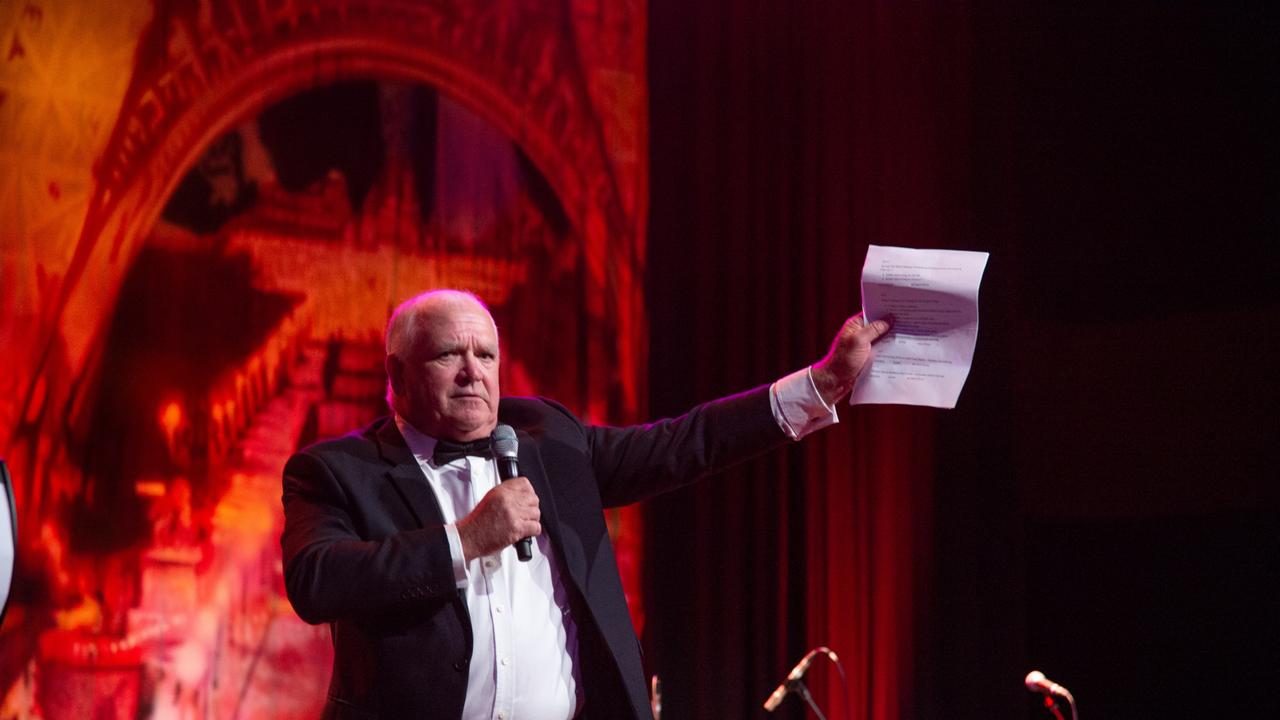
(450, 379)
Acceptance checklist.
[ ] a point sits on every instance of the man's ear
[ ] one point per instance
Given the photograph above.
(395, 373)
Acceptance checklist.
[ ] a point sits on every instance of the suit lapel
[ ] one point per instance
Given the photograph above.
(407, 477)
(564, 540)
(531, 467)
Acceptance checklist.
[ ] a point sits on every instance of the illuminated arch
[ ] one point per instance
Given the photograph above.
(517, 66)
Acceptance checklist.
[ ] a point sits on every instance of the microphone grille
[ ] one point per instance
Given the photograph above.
(504, 442)
(1033, 680)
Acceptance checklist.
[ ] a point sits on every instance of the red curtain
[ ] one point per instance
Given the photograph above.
(786, 137)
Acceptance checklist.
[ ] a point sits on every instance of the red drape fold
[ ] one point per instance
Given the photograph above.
(785, 139)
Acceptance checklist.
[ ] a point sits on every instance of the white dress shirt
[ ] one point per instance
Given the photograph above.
(524, 658)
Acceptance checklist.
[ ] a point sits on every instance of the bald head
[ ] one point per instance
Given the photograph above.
(410, 315)
(442, 365)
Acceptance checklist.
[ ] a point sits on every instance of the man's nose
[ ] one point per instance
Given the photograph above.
(470, 370)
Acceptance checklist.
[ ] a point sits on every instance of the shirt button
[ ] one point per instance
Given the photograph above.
(506, 662)
(502, 715)
(497, 608)
(488, 564)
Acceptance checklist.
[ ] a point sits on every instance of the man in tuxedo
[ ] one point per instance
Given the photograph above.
(400, 536)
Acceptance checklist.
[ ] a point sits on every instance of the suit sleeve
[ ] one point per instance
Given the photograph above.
(633, 463)
(331, 572)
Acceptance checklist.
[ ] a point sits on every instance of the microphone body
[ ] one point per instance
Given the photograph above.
(508, 467)
(505, 450)
(1036, 682)
(784, 688)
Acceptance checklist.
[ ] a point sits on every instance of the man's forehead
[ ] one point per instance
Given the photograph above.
(457, 312)
(461, 329)
(459, 323)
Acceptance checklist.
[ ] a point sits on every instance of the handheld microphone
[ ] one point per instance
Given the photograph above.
(505, 449)
(793, 677)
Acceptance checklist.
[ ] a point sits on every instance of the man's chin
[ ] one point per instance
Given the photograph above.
(466, 429)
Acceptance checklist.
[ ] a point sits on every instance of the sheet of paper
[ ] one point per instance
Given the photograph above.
(932, 296)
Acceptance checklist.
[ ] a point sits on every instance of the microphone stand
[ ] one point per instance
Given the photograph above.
(798, 687)
(1052, 704)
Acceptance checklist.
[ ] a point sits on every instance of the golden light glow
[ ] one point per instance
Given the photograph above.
(171, 418)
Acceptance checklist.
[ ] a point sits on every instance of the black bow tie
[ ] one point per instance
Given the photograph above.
(446, 451)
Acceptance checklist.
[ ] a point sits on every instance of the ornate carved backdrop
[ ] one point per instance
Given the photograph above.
(103, 110)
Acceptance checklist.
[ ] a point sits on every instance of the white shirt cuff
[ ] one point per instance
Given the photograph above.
(798, 407)
(455, 551)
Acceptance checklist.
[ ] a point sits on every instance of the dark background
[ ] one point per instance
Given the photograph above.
(1105, 505)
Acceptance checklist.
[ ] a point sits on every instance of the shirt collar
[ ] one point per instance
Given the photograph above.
(420, 444)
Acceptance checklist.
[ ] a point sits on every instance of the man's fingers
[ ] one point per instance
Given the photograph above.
(834, 375)
(507, 513)
(516, 496)
(521, 488)
(875, 329)
(855, 324)
(520, 484)
(524, 527)
(869, 331)
(524, 514)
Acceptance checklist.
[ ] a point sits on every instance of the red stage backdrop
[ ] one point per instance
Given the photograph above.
(786, 138)
(210, 208)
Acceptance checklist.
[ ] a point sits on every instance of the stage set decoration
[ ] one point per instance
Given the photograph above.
(210, 208)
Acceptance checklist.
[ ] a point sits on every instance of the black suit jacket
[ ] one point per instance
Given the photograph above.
(365, 548)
